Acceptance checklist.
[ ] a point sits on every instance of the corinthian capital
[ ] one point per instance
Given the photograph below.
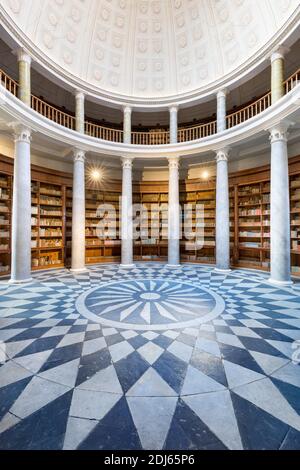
(22, 133)
(222, 155)
(174, 163)
(78, 155)
(127, 162)
(279, 133)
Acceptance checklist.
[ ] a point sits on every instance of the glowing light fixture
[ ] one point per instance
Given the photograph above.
(205, 174)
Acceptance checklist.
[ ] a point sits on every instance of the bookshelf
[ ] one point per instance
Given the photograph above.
(107, 247)
(5, 222)
(47, 225)
(152, 224)
(295, 223)
(198, 243)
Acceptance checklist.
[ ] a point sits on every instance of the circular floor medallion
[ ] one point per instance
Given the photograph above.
(150, 304)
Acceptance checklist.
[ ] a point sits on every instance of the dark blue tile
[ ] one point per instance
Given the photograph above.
(10, 393)
(93, 335)
(62, 355)
(290, 392)
(41, 344)
(171, 369)
(91, 364)
(291, 441)
(188, 432)
(30, 333)
(259, 430)
(130, 369)
(77, 329)
(114, 339)
(43, 430)
(109, 436)
(163, 341)
(239, 356)
(210, 365)
(137, 341)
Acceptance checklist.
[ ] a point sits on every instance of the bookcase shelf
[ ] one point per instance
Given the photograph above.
(47, 225)
(5, 222)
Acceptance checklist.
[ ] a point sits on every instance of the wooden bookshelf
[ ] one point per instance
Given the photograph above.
(5, 222)
(295, 223)
(102, 244)
(152, 223)
(47, 225)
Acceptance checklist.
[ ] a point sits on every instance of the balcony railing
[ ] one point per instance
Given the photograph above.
(105, 133)
(153, 136)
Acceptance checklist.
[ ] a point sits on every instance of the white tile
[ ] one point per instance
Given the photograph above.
(150, 351)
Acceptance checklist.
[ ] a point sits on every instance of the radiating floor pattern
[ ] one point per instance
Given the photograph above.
(151, 358)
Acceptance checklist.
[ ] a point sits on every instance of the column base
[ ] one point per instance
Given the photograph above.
(222, 271)
(276, 283)
(78, 270)
(20, 281)
(173, 266)
(127, 266)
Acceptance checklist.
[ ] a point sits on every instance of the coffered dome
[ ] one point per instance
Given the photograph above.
(149, 48)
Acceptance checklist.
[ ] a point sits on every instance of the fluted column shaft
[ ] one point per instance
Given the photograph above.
(280, 207)
(222, 212)
(126, 214)
(79, 111)
(21, 208)
(221, 110)
(173, 124)
(173, 213)
(127, 125)
(24, 62)
(277, 75)
(78, 212)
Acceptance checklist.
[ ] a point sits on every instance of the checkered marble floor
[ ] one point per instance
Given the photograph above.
(151, 358)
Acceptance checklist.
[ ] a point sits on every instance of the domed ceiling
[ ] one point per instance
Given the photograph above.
(149, 48)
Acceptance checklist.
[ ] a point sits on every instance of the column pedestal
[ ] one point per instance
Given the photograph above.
(21, 209)
(126, 215)
(280, 208)
(78, 214)
(173, 214)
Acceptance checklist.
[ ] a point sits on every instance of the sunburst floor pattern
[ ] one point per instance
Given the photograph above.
(153, 303)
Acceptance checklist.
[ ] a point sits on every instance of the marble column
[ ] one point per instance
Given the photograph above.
(79, 111)
(173, 214)
(280, 207)
(126, 214)
(221, 110)
(277, 74)
(78, 212)
(127, 125)
(173, 124)
(222, 213)
(21, 208)
(24, 61)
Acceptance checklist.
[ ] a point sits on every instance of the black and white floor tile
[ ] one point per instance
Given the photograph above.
(151, 358)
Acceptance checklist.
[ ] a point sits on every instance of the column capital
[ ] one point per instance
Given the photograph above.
(222, 155)
(222, 93)
(79, 94)
(22, 55)
(174, 162)
(279, 53)
(127, 109)
(127, 162)
(78, 155)
(173, 108)
(22, 133)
